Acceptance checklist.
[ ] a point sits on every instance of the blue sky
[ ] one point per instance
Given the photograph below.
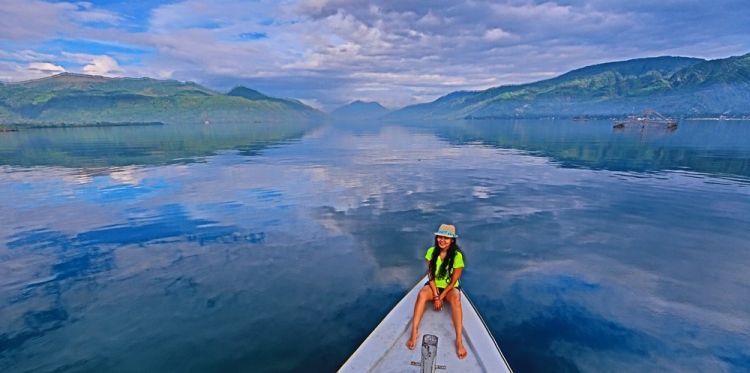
(328, 53)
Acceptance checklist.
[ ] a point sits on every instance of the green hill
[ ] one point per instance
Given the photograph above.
(358, 110)
(78, 98)
(253, 95)
(672, 85)
(247, 93)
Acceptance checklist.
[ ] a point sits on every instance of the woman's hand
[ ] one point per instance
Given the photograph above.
(437, 303)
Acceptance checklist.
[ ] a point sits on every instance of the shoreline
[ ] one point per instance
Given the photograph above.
(15, 127)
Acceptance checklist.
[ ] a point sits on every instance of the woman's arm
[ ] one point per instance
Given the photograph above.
(436, 301)
(431, 282)
(454, 280)
(433, 287)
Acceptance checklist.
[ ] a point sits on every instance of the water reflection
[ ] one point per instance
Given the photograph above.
(583, 261)
(707, 147)
(96, 148)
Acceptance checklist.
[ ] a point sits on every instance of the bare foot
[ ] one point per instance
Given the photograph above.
(412, 341)
(460, 350)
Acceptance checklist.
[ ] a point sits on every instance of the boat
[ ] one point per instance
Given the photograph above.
(384, 350)
(647, 117)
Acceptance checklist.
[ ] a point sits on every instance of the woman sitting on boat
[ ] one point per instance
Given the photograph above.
(445, 262)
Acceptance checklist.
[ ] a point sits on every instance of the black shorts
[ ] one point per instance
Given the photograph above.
(440, 290)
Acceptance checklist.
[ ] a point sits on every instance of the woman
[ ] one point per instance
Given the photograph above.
(445, 262)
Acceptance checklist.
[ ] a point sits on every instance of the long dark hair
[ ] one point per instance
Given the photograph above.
(446, 268)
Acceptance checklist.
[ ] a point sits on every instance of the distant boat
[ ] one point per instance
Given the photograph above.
(646, 118)
(385, 350)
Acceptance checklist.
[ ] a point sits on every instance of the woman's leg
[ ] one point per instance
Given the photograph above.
(454, 299)
(423, 297)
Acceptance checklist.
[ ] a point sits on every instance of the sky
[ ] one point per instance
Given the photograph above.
(328, 53)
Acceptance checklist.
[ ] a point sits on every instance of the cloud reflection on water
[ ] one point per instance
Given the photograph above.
(573, 268)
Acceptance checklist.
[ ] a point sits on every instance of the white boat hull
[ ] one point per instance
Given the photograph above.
(385, 349)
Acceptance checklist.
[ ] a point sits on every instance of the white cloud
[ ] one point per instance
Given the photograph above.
(97, 16)
(430, 20)
(26, 55)
(78, 58)
(13, 72)
(33, 19)
(46, 67)
(496, 34)
(425, 80)
(103, 65)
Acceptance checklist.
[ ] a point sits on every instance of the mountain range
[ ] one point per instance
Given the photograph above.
(78, 98)
(359, 110)
(678, 86)
(672, 85)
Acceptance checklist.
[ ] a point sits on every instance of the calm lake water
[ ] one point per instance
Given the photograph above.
(279, 247)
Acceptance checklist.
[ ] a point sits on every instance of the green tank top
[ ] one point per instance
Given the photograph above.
(458, 262)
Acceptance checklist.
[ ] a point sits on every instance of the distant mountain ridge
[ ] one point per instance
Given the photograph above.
(671, 85)
(247, 93)
(253, 95)
(80, 98)
(360, 110)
